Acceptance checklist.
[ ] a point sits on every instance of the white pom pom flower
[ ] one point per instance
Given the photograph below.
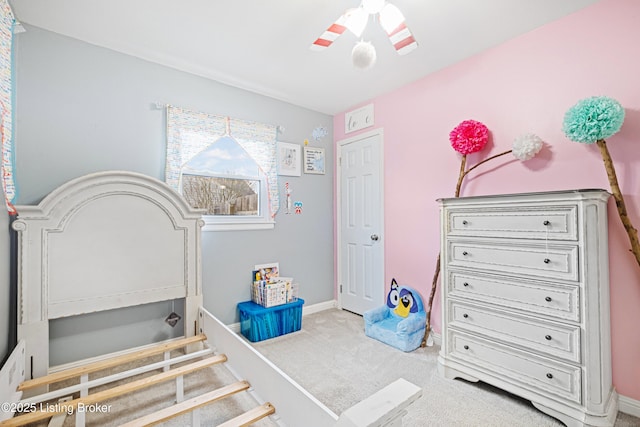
(526, 146)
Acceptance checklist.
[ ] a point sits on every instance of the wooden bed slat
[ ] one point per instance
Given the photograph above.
(188, 405)
(109, 363)
(250, 416)
(92, 384)
(98, 397)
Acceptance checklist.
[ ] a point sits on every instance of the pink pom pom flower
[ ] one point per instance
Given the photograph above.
(469, 137)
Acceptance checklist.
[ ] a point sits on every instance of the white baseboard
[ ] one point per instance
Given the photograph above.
(321, 306)
(629, 406)
(437, 338)
(306, 309)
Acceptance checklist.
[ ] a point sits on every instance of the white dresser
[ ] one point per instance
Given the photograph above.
(525, 299)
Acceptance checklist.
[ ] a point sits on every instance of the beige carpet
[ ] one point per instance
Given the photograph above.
(333, 359)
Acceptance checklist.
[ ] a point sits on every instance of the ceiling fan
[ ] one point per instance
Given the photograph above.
(355, 20)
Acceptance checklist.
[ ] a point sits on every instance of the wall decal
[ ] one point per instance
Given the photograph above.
(319, 133)
(287, 190)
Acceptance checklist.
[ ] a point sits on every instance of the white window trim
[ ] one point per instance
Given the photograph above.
(213, 223)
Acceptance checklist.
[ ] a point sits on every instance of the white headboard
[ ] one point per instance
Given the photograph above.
(103, 241)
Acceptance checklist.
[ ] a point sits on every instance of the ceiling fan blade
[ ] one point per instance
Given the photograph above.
(356, 20)
(402, 40)
(331, 34)
(392, 21)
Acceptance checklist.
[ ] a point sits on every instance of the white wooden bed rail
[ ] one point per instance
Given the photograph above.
(294, 405)
(11, 376)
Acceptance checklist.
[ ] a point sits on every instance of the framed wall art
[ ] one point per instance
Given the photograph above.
(289, 157)
(314, 160)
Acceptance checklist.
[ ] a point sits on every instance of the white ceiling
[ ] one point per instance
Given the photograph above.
(263, 45)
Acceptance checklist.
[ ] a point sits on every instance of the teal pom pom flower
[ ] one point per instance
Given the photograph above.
(593, 119)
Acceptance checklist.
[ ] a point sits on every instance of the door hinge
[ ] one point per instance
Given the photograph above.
(340, 287)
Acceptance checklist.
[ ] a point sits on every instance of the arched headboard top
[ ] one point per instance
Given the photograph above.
(99, 184)
(105, 241)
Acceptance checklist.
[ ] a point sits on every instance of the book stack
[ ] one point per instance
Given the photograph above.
(270, 289)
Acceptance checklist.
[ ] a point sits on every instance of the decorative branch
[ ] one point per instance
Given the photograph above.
(462, 174)
(524, 148)
(468, 137)
(434, 283)
(617, 195)
(594, 120)
(482, 162)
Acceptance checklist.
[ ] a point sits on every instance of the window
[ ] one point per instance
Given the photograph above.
(226, 167)
(224, 180)
(222, 196)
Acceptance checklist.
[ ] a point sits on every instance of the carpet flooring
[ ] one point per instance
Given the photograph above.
(333, 359)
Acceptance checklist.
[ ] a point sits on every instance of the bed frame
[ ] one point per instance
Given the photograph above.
(103, 241)
(116, 239)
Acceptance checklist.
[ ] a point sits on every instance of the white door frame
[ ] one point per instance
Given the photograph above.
(339, 145)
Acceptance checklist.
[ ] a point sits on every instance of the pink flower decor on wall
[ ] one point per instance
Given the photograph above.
(469, 137)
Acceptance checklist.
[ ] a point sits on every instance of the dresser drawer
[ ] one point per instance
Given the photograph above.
(553, 300)
(548, 261)
(557, 340)
(553, 223)
(524, 369)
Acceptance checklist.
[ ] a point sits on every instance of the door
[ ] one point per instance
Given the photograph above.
(360, 215)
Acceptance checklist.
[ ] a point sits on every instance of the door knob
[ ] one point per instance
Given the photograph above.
(374, 237)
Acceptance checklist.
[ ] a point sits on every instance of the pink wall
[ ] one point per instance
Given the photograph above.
(525, 85)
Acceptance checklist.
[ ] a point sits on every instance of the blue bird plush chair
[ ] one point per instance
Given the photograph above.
(401, 322)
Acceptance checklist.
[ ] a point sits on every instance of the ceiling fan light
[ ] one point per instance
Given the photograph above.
(373, 6)
(356, 21)
(363, 55)
(390, 18)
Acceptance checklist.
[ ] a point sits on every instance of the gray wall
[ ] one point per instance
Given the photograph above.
(82, 108)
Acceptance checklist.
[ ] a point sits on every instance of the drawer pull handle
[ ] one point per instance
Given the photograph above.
(547, 260)
(547, 337)
(465, 284)
(465, 253)
(547, 299)
(546, 222)
(465, 315)
(464, 222)
(549, 375)
(466, 347)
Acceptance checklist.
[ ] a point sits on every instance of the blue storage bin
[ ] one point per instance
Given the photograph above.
(259, 323)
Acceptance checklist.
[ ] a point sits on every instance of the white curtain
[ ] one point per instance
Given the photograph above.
(7, 22)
